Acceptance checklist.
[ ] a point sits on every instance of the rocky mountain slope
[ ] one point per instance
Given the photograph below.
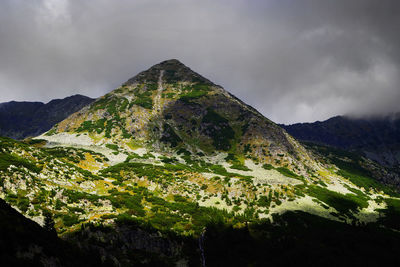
(19, 120)
(169, 107)
(152, 170)
(375, 138)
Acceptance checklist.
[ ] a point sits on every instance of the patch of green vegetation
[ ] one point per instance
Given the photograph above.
(126, 200)
(70, 219)
(264, 201)
(76, 209)
(218, 169)
(145, 102)
(151, 86)
(239, 166)
(366, 182)
(393, 204)
(125, 133)
(268, 166)
(6, 143)
(75, 196)
(112, 146)
(59, 204)
(299, 190)
(35, 141)
(92, 126)
(73, 154)
(109, 127)
(151, 172)
(23, 203)
(202, 166)
(124, 104)
(52, 131)
(143, 99)
(136, 156)
(284, 171)
(342, 203)
(179, 198)
(68, 154)
(11, 198)
(112, 106)
(321, 183)
(236, 162)
(201, 87)
(101, 102)
(355, 191)
(168, 160)
(111, 103)
(184, 152)
(288, 173)
(8, 159)
(192, 95)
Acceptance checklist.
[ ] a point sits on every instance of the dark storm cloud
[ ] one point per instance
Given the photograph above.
(297, 60)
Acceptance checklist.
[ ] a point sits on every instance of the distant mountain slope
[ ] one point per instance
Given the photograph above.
(19, 120)
(376, 138)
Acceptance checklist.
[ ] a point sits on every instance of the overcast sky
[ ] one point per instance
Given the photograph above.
(293, 60)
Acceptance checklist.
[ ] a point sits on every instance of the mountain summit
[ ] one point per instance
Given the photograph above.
(173, 70)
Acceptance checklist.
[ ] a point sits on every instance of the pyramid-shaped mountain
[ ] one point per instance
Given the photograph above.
(170, 107)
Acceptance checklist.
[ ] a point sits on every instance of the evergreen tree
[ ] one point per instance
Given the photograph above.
(49, 223)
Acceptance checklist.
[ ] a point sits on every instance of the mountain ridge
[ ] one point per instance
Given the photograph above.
(20, 120)
(378, 138)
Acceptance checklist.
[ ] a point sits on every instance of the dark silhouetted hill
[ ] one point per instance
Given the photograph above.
(19, 120)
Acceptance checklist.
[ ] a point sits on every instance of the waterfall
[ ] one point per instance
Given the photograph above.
(201, 247)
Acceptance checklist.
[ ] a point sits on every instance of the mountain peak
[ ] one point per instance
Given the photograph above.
(170, 107)
(173, 71)
(171, 61)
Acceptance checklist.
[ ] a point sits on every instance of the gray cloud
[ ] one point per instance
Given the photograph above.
(293, 60)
